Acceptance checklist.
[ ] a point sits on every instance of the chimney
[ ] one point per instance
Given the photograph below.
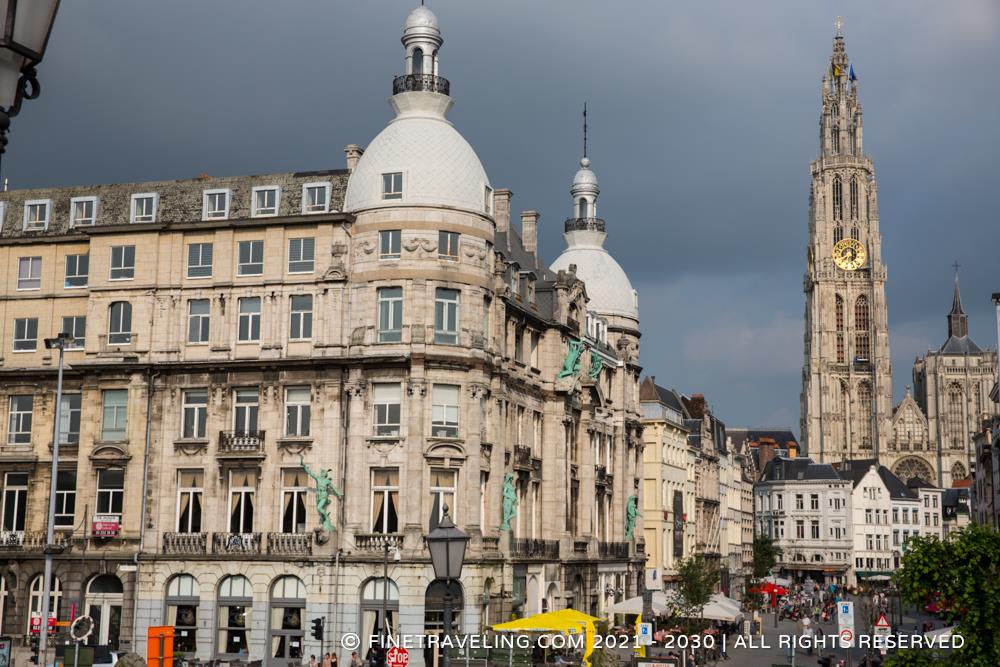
(353, 153)
(765, 451)
(501, 212)
(529, 232)
(697, 405)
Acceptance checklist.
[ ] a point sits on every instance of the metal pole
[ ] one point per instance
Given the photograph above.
(385, 599)
(43, 632)
(445, 658)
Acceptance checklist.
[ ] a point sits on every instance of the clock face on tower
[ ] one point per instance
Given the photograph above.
(849, 254)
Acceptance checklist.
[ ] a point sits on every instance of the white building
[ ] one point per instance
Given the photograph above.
(871, 527)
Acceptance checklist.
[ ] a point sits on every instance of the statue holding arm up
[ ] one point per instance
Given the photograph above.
(324, 487)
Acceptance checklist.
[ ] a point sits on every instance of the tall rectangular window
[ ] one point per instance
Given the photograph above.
(251, 258)
(249, 324)
(199, 263)
(69, 419)
(199, 318)
(301, 255)
(29, 273)
(448, 245)
(115, 414)
(21, 416)
(388, 244)
(315, 197)
(444, 411)
(301, 317)
(82, 211)
(195, 414)
(386, 408)
(443, 485)
(392, 185)
(814, 530)
(446, 316)
(390, 314)
(294, 487)
(120, 323)
(122, 262)
(77, 270)
(65, 497)
(36, 214)
(25, 334)
(190, 490)
(814, 501)
(242, 492)
(75, 326)
(385, 500)
(265, 201)
(15, 501)
(298, 412)
(246, 409)
(110, 490)
(144, 207)
(215, 205)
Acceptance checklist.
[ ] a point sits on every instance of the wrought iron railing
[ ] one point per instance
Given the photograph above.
(20, 540)
(522, 457)
(241, 442)
(236, 543)
(428, 83)
(612, 549)
(491, 543)
(185, 543)
(527, 548)
(290, 544)
(584, 224)
(581, 546)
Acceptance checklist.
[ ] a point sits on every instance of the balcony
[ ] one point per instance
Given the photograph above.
(241, 444)
(289, 544)
(581, 546)
(425, 83)
(185, 543)
(20, 540)
(584, 224)
(236, 543)
(612, 549)
(522, 457)
(491, 543)
(527, 548)
(375, 542)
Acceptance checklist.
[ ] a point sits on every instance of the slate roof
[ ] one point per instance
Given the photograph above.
(783, 437)
(650, 391)
(963, 345)
(856, 469)
(798, 469)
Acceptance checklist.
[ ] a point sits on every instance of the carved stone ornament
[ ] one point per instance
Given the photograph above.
(191, 447)
(477, 390)
(367, 247)
(416, 388)
(411, 245)
(354, 389)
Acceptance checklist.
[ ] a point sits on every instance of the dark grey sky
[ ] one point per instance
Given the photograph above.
(704, 118)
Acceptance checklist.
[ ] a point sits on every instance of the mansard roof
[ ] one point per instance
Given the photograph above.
(856, 469)
(650, 391)
(782, 469)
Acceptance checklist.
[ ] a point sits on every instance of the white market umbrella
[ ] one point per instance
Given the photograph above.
(634, 606)
(943, 633)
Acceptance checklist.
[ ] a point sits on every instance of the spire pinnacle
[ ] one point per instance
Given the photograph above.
(958, 321)
(584, 129)
(838, 25)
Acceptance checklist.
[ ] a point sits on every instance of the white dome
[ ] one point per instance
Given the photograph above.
(439, 166)
(421, 17)
(585, 177)
(608, 288)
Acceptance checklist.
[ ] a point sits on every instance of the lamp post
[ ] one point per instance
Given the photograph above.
(24, 34)
(58, 343)
(447, 546)
(388, 542)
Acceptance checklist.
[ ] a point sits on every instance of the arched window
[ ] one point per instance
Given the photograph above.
(854, 233)
(285, 632)
(583, 207)
(104, 604)
(840, 329)
(233, 622)
(838, 199)
(865, 415)
(854, 199)
(958, 472)
(838, 234)
(977, 402)
(182, 612)
(835, 139)
(954, 419)
(854, 140)
(35, 599)
(434, 613)
(862, 327)
(120, 323)
(374, 593)
(418, 61)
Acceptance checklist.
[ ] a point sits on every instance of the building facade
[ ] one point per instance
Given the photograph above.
(279, 382)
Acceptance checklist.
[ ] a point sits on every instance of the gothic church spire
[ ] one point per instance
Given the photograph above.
(958, 321)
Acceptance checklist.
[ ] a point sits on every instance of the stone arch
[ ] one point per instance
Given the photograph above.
(913, 466)
(958, 471)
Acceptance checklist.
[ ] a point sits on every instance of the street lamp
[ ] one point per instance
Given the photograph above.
(24, 33)
(447, 546)
(58, 343)
(388, 542)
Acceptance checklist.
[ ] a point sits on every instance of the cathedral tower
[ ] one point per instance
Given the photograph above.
(847, 378)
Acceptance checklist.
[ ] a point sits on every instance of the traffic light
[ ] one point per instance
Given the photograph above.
(317, 631)
(34, 650)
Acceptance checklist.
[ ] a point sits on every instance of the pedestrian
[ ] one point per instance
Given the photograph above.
(326, 660)
(355, 659)
(312, 661)
(333, 659)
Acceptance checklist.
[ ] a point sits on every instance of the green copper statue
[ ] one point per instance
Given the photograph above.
(572, 364)
(324, 487)
(509, 502)
(596, 365)
(631, 512)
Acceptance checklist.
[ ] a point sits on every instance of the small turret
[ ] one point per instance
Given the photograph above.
(422, 39)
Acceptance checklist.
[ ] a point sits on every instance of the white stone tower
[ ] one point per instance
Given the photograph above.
(847, 376)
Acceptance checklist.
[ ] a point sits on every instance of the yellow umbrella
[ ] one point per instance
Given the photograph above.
(564, 620)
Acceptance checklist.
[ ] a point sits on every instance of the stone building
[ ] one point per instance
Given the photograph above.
(384, 323)
(707, 437)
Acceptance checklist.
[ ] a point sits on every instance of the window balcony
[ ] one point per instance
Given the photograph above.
(612, 549)
(584, 224)
(581, 546)
(426, 83)
(540, 549)
(522, 457)
(375, 542)
(20, 540)
(236, 543)
(185, 543)
(289, 544)
(241, 443)
(601, 474)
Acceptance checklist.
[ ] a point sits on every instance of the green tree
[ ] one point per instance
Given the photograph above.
(698, 579)
(765, 555)
(964, 570)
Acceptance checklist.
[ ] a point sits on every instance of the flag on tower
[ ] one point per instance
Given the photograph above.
(851, 75)
(835, 69)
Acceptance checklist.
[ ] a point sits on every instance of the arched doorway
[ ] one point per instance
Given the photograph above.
(105, 597)
(284, 633)
(182, 612)
(434, 600)
(533, 595)
(376, 594)
(550, 597)
(234, 606)
(35, 598)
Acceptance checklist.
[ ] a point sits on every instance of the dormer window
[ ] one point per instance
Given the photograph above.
(144, 207)
(82, 211)
(515, 282)
(488, 200)
(316, 198)
(265, 201)
(36, 214)
(215, 205)
(392, 185)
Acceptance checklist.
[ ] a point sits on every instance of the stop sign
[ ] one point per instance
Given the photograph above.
(397, 657)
